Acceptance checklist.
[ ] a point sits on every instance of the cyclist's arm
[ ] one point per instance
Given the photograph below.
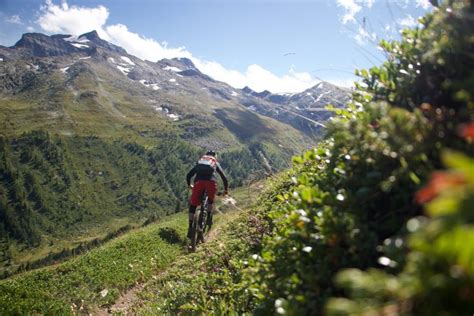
(223, 177)
(190, 174)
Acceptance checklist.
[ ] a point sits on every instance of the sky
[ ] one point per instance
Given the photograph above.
(275, 45)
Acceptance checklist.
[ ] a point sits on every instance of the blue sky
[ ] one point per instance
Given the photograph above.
(279, 45)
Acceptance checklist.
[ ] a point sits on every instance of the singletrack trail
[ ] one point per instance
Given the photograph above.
(123, 305)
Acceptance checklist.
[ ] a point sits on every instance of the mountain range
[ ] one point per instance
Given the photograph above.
(93, 138)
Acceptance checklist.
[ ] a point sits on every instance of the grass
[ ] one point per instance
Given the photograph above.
(205, 281)
(51, 244)
(77, 284)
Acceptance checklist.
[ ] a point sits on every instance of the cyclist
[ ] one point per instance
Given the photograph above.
(205, 179)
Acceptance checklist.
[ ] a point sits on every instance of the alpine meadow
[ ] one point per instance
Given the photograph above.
(342, 201)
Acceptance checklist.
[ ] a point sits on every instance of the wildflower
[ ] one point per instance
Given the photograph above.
(467, 131)
(439, 182)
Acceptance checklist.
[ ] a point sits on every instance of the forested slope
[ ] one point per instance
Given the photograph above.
(63, 195)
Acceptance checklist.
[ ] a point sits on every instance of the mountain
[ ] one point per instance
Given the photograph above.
(93, 139)
(305, 110)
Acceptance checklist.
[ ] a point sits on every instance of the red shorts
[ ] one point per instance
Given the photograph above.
(198, 190)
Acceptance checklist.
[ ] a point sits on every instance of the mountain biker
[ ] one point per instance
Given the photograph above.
(205, 179)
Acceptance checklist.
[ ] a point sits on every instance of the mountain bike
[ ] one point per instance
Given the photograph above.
(201, 224)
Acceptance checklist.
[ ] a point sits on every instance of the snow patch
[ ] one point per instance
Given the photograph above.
(82, 40)
(83, 58)
(234, 94)
(311, 96)
(321, 95)
(124, 70)
(175, 69)
(174, 117)
(1, 59)
(75, 39)
(153, 86)
(127, 60)
(112, 60)
(64, 70)
(172, 80)
(80, 45)
(252, 108)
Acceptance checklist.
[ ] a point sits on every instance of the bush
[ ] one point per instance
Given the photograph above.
(350, 197)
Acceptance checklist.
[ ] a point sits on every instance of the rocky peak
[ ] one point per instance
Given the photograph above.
(92, 36)
(40, 45)
(96, 41)
(261, 95)
(185, 62)
(247, 90)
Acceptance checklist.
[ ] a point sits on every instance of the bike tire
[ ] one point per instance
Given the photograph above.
(201, 225)
(194, 230)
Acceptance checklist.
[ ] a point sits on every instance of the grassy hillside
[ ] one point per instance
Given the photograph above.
(96, 279)
(80, 283)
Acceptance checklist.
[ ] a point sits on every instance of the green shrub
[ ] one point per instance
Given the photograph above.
(438, 277)
(351, 196)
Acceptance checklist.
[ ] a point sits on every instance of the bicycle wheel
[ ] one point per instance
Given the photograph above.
(203, 226)
(194, 230)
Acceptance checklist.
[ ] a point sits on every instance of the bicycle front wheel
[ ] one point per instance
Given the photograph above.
(195, 231)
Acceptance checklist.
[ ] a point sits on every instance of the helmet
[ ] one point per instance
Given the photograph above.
(211, 153)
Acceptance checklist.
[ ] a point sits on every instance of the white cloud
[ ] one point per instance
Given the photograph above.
(369, 3)
(72, 20)
(145, 48)
(77, 20)
(351, 9)
(408, 21)
(425, 4)
(15, 19)
(30, 29)
(362, 36)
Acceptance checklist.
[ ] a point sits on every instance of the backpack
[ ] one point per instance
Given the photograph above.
(206, 166)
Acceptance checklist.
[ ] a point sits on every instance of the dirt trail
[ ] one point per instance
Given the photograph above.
(128, 299)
